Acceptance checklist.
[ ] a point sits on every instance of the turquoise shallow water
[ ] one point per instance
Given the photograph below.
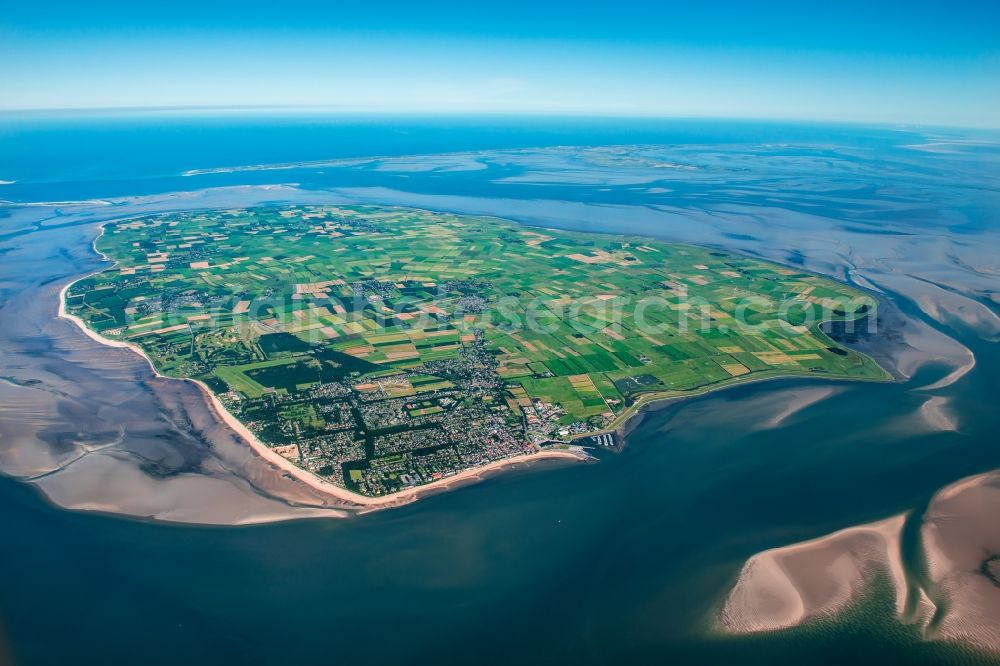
(622, 560)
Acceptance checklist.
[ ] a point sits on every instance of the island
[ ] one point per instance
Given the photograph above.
(378, 349)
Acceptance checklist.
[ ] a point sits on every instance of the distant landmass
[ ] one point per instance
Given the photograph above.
(381, 349)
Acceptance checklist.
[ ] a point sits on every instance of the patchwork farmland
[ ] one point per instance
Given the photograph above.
(385, 348)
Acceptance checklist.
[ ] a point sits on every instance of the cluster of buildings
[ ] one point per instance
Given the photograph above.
(375, 444)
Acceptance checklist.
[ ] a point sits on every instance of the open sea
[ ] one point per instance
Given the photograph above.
(625, 560)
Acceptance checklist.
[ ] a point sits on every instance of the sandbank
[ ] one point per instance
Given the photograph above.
(787, 586)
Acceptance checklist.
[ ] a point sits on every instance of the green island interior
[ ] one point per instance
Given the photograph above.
(386, 348)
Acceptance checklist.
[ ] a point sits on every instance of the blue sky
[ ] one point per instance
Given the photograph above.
(871, 61)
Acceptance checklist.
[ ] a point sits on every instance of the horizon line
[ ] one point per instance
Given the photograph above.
(346, 110)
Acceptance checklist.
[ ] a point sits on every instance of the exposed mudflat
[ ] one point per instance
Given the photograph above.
(628, 559)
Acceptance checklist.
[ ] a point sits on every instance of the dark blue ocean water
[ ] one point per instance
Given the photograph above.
(623, 561)
(103, 154)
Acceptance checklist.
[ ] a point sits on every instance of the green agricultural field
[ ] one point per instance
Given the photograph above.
(384, 348)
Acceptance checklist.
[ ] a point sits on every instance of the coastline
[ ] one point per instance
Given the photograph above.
(363, 502)
(651, 399)
(654, 399)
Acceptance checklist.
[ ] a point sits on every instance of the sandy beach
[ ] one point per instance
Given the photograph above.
(363, 503)
(351, 499)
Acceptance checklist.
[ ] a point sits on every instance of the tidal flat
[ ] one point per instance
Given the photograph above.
(630, 558)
